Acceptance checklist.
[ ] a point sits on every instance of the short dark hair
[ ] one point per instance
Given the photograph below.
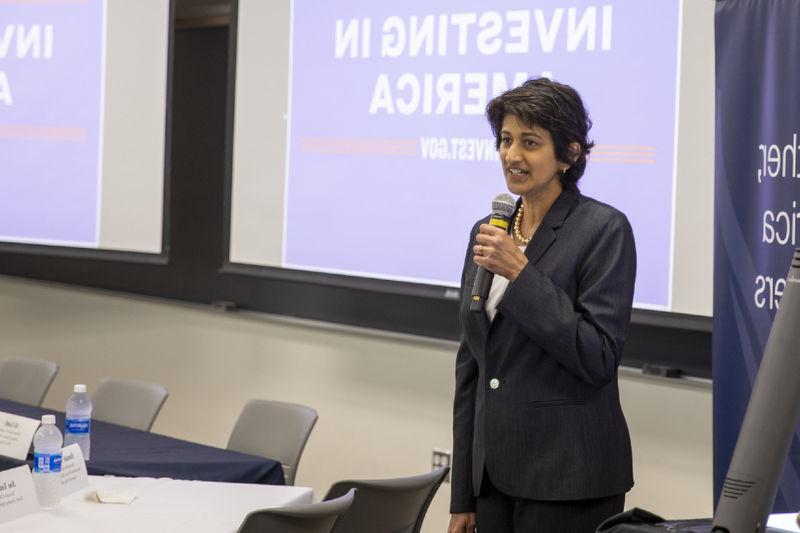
(554, 106)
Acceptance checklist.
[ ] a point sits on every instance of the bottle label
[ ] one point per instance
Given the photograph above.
(46, 462)
(79, 426)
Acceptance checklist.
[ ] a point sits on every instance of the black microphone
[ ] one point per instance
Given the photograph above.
(503, 207)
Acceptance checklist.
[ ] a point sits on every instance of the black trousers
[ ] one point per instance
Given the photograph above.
(500, 513)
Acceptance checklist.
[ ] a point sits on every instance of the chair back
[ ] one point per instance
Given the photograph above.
(388, 505)
(26, 380)
(128, 402)
(312, 518)
(277, 430)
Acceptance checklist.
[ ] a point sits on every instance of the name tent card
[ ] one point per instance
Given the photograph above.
(17, 493)
(16, 435)
(73, 470)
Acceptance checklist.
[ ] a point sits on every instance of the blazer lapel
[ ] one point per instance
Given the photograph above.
(546, 233)
(483, 322)
(542, 239)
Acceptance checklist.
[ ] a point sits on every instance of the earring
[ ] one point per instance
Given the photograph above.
(564, 170)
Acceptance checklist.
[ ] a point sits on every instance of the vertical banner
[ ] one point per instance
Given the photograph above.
(757, 207)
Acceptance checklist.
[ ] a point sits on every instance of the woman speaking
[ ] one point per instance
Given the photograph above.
(539, 439)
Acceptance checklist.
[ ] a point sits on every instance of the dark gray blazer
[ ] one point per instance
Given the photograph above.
(550, 427)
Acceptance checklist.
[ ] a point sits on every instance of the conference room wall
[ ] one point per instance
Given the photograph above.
(384, 402)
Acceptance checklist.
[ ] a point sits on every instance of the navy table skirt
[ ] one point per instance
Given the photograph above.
(123, 451)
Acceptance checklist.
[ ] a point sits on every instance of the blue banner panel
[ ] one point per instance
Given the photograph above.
(757, 207)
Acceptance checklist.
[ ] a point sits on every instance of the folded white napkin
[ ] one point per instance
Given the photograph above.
(114, 496)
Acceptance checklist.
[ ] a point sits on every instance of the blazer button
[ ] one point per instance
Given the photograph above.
(494, 383)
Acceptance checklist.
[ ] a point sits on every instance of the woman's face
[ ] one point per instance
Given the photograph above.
(528, 158)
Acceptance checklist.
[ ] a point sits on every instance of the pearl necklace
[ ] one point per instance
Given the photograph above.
(517, 233)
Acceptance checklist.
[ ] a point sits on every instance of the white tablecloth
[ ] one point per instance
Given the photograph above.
(161, 505)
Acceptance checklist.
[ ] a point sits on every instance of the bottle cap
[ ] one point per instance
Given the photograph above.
(48, 419)
(79, 388)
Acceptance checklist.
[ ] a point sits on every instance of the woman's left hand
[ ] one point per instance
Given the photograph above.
(497, 252)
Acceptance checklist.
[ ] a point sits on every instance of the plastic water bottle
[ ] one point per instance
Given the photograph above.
(78, 428)
(47, 462)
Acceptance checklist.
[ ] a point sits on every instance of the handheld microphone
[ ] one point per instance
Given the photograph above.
(503, 207)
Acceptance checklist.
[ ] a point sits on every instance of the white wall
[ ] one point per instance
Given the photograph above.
(384, 403)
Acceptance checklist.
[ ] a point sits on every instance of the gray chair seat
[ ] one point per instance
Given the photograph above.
(277, 430)
(26, 380)
(128, 402)
(388, 505)
(312, 518)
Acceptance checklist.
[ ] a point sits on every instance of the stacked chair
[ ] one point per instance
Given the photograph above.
(313, 518)
(255, 432)
(355, 506)
(394, 505)
(26, 380)
(128, 402)
(388, 505)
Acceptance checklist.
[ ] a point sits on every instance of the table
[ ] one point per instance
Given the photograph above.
(123, 451)
(161, 505)
(784, 521)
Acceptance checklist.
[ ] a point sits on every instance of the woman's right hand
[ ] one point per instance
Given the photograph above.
(462, 523)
